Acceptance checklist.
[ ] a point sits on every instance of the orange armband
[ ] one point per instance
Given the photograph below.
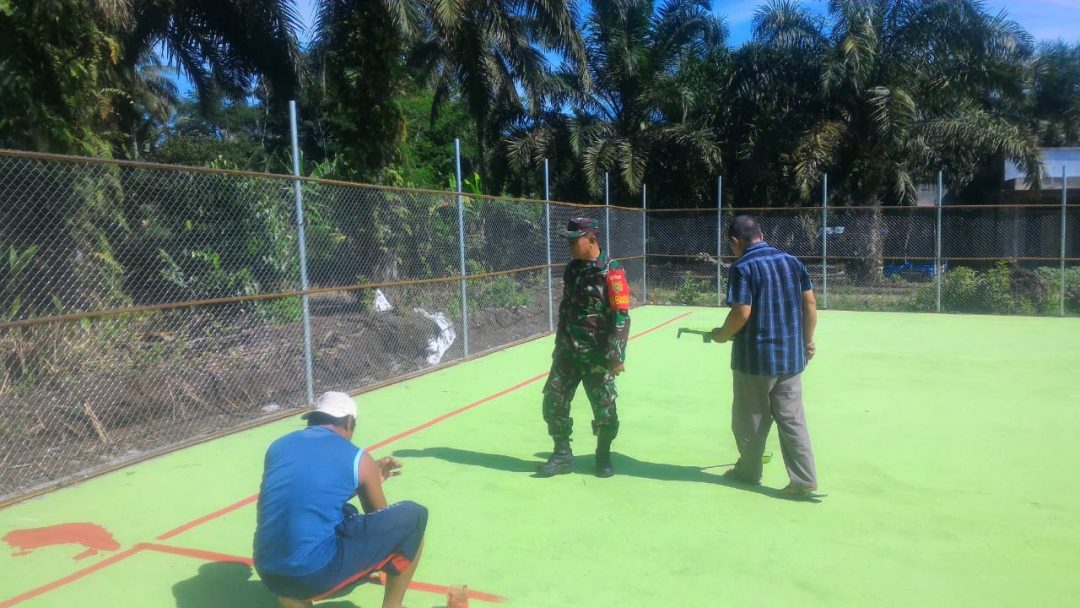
(618, 290)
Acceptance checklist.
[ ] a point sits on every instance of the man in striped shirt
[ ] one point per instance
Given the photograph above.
(771, 322)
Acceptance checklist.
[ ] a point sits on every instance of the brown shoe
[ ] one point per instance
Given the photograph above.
(734, 475)
(793, 491)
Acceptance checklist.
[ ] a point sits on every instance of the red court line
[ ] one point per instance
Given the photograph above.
(476, 595)
(206, 518)
(460, 410)
(108, 561)
(416, 429)
(206, 556)
(250, 499)
(656, 327)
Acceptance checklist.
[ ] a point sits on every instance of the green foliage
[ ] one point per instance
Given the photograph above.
(427, 149)
(1002, 289)
(639, 100)
(58, 76)
(473, 184)
(1055, 112)
(280, 311)
(489, 54)
(15, 265)
(501, 291)
(694, 292)
(204, 277)
(358, 54)
(225, 47)
(186, 223)
(1051, 278)
(227, 135)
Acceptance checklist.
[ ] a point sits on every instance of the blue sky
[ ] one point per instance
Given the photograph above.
(1045, 19)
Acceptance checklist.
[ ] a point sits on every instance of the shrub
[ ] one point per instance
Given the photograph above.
(1006, 288)
(693, 292)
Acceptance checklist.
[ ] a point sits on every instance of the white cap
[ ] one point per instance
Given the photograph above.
(333, 403)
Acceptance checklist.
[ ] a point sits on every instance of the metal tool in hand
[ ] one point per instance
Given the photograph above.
(706, 334)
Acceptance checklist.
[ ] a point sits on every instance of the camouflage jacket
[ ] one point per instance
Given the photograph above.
(594, 315)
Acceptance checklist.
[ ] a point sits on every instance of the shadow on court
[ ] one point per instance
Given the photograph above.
(229, 585)
(583, 465)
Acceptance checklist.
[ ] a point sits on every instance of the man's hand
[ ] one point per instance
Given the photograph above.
(718, 335)
(616, 368)
(810, 350)
(388, 467)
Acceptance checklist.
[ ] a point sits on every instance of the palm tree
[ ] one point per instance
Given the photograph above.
(1055, 94)
(59, 74)
(490, 53)
(150, 98)
(358, 74)
(774, 92)
(223, 46)
(907, 86)
(644, 96)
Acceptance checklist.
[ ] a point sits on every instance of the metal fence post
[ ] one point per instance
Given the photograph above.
(719, 238)
(607, 218)
(547, 241)
(644, 245)
(937, 241)
(1064, 217)
(461, 251)
(309, 378)
(825, 241)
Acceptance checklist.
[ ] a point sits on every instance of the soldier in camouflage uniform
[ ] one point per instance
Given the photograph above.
(590, 347)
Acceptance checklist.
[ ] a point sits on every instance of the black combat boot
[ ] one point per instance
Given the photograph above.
(560, 462)
(603, 458)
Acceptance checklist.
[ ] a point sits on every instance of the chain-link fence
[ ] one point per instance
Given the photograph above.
(963, 258)
(147, 307)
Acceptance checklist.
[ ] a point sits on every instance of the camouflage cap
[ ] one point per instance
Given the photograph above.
(580, 226)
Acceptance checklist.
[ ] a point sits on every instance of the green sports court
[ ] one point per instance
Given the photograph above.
(945, 445)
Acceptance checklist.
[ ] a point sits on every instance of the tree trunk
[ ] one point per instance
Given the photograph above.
(870, 230)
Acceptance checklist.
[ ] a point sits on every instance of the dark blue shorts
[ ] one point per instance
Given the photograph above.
(386, 540)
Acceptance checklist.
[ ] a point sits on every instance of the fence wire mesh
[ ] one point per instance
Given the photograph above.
(146, 307)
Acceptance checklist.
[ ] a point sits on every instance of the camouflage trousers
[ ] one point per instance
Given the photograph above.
(562, 382)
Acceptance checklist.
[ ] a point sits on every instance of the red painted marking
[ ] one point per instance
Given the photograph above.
(206, 556)
(463, 409)
(656, 327)
(460, 410)
(401, 435)
(205, 518)
(484, 597)
(108, 561)
(476, 595)
(91, 536)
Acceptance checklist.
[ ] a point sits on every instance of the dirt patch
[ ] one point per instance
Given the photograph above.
(183, 379)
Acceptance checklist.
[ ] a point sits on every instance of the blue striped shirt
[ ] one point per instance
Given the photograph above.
(771, 282)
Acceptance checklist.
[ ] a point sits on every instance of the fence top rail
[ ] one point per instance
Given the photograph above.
(130, 310)
(884, 208)
(1052, 206)
(89, 160)
(134, 164)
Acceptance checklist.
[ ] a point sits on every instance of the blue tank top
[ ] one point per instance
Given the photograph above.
(308, 475)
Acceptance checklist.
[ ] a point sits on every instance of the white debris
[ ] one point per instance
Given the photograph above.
(441, 342)
(381, 304)
(270, 408)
